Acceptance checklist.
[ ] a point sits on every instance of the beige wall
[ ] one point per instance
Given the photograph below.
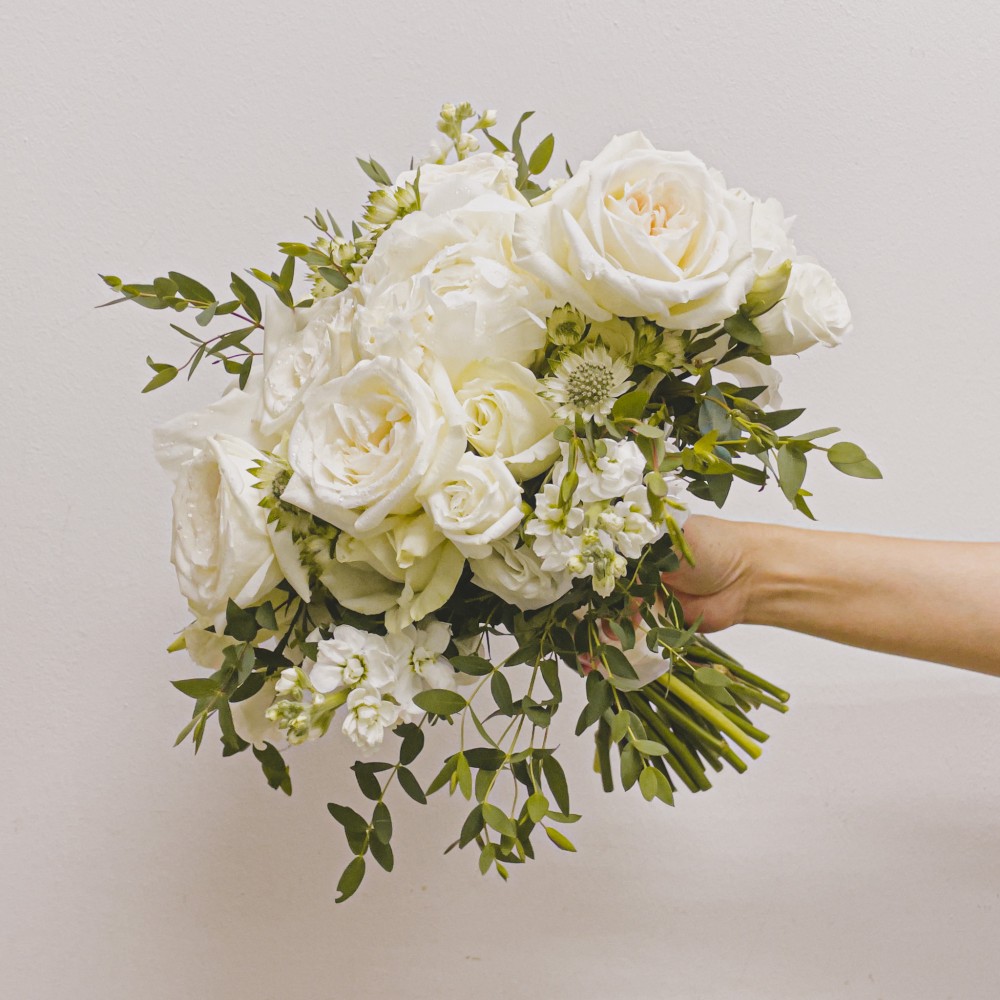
(858, 858)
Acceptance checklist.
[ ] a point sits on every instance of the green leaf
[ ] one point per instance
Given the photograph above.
(443, 776)
(413, 742)
(537, 806)
(559, 839)
(167, 373)
(347, 817)
(500, 689)
(539, 159)
(265, 617)
(498, 820)
(375, 171)
(631, 765)
(631, 406)
(440, 701)
(240, 624)
(464, 776)
(350, 880)
(743, 329)
(852, 461)
(486, 857)
(556, 779)
(334, 277)
(367, 782)
(274, 768)
(791, 470)
(648, 784)
(246, 296)
(781, 418)
(248, 688)
(382, 853)
(192, 290)
(410, 785)
(474, 666)
(711, 676)
(618, 663)
(472, 826)
(486, 758)
(649, 748)
(382, 822)
(550, 675)
(197, 687)
(287, 275)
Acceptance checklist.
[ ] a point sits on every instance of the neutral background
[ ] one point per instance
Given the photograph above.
(859, 858)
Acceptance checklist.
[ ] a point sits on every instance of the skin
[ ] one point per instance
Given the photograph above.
(936, 601)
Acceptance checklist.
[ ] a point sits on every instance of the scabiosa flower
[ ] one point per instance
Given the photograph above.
(587, 384)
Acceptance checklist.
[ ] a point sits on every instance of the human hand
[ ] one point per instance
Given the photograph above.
(718, 587)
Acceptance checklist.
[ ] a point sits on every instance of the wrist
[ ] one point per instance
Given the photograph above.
(772, 574)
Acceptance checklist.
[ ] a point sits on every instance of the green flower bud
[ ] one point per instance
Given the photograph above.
(566, 327)
(768, 290)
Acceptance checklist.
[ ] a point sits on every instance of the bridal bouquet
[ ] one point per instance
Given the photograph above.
(482, 427)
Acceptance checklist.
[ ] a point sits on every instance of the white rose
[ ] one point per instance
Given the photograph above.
(407, 571)
(747, 372)
(642, 232)
(369, 443)
(505, 416)
(769, 228)
(813, 311)
(446, 287)
(303, 348)
(223, 548)
(478, 503)
(445, 187)
(514, 573)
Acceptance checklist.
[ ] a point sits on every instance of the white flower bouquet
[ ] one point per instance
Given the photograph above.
(488, 418)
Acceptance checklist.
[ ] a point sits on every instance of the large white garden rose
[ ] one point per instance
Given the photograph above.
(407, 570)
(505, 416)
(478, 503)
(813, 311)
(222, 547)
(367, 444)
(514, 573)
(445, 187)
(446, 288)
(641, 232)
(303, 348)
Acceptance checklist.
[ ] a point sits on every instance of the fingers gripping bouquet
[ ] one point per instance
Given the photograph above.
(488, 418)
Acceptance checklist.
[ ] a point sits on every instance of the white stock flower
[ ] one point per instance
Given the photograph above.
(351, 657)
(446, 287)
(445, 187)
(634, 528)
(642, 232)
(478, 503)
(407, 570)
(505, 416)
(420, 664)
(303, 348)
(621, 468)
(514, 573)
(553, 529)
(587, 383)
(368, 716)
(813, 311)
(368, 443)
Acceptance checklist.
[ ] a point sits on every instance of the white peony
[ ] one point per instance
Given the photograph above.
(642, 232)
(813, 311)
(446, 287)
(514, 573)
(223, 548)
(445, 187)
(407, 571)
(369, 443)
(478, 503)
(303, 348)
(506, 417)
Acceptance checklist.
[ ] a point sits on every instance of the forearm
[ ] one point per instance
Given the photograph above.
(929, 600)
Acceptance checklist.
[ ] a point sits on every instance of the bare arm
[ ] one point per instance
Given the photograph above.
(928, 600)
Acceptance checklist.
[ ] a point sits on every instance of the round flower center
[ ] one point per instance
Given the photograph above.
(588, 384)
